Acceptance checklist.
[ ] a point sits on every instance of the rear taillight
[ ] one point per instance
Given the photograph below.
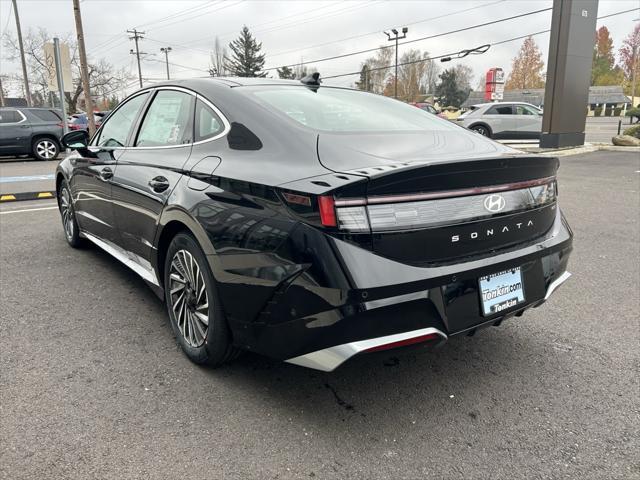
(327, 209)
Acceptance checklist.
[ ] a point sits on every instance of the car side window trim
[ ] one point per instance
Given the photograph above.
(139, 123)
(96, 136)
(24, 118)
(197, 96)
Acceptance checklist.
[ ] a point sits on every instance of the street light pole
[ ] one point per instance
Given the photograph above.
(396, 37)
(166, 51)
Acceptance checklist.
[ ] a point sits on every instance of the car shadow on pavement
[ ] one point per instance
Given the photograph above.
(464, 377)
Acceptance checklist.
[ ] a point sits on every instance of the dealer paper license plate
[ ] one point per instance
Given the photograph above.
(501, 291)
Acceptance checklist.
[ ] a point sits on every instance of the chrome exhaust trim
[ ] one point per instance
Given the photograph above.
(329, 359)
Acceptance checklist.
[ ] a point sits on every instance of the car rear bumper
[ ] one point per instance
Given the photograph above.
(349, 300)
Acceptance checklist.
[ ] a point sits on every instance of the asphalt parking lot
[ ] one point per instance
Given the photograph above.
(93, 385)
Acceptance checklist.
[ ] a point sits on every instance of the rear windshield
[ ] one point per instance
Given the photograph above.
(338, 110)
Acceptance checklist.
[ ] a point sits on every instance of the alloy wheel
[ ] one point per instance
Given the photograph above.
(66, 210)
(188, 297)
(46, 149)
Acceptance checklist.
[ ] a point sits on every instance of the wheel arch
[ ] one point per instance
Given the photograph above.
(172, 222)
(50, 136)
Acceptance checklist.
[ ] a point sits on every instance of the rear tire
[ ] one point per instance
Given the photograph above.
(193, 304)
(68, 215)
(482, 130)
(45, 149)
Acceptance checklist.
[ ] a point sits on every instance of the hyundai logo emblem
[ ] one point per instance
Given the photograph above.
(494, 203)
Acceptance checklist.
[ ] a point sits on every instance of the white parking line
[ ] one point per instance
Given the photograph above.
(6, 212)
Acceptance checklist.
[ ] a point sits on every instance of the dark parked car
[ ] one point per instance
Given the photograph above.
(30, 131)
(311, 223)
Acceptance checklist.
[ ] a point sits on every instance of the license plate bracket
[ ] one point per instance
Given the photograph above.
(501, 291)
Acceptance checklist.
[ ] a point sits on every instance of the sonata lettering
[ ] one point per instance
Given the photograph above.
(489, 232)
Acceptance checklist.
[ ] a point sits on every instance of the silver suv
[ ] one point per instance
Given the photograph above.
(503, 120)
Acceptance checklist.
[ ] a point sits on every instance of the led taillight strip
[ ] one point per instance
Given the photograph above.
(355, 202)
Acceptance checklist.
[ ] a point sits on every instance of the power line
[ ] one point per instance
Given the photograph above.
(466, 52)
(179, 13)
(493, 22)
(377, 32)
(226, 5)
(286, 25)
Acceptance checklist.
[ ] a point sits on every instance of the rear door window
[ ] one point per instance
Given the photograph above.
(500, 110)
(168, 120)
(46, 115)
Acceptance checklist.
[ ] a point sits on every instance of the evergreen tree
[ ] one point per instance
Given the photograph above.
(448, 91)
(364, 83)
(286, 73)
(246, 59)
(527, 67)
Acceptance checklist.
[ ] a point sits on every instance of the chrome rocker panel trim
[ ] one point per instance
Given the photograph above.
(148, 275)
(329, 359)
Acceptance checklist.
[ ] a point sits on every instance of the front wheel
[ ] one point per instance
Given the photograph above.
(68, 216)
(482, 130)
(193, 305)
(45, 149)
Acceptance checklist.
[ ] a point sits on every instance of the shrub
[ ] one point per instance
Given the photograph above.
(633, 131)
(635, 111)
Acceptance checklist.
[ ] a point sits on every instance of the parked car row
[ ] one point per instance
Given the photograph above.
(37, 131)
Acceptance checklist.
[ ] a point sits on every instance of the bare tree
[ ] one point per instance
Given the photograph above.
(377, 70)
(103, 78)
(217, 59)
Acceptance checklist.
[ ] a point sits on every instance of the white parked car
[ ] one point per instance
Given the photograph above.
(503, 120)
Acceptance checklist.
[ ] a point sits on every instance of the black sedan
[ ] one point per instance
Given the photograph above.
(311, 223)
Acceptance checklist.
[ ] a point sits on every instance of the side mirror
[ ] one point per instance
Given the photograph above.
(76, 139)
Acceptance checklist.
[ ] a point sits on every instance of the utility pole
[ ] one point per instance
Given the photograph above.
(395, 38)
(136, 36)
(84, 72)
(166, 51)
(634, 52)
(1, 93)
(27, 91)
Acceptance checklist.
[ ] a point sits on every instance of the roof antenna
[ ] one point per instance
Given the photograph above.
(312, 81)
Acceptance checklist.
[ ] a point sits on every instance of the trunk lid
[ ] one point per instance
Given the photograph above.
(429, 197)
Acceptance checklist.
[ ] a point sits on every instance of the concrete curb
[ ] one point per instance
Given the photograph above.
(587, 148)
(16, 197)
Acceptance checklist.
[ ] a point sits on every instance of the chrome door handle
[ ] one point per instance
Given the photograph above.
(106, 173)
(159, 184)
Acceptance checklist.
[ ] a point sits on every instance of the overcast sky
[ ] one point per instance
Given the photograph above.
(294, 30)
